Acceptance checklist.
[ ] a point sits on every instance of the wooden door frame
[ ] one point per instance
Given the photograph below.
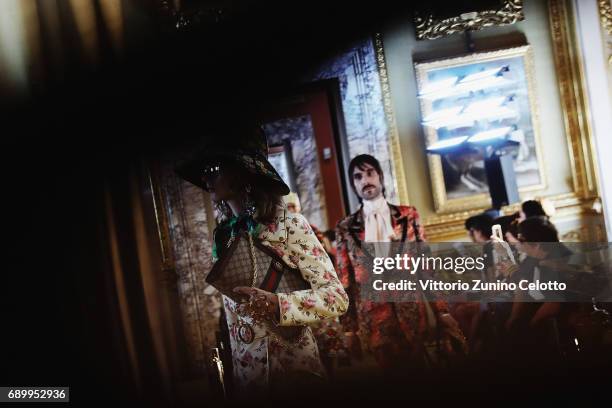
(273, 109)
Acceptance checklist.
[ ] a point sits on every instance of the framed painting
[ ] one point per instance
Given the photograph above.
(485, 94)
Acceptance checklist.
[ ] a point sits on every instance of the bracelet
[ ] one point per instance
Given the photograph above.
(259, 308)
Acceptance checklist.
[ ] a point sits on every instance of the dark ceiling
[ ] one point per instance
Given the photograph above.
(171, 77)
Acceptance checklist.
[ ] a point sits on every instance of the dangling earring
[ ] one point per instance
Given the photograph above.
(248, 204)
(223, 209)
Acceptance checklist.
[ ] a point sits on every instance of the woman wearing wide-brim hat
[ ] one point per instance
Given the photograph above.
(248, 191)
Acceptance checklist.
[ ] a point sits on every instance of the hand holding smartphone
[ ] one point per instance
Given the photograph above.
(497, 232)
(503, 251)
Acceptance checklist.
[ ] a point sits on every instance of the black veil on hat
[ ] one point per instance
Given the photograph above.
(246, 145)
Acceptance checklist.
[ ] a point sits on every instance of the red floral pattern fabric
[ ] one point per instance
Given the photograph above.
(380, 325)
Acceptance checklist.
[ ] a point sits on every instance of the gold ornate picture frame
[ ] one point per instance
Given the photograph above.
(394, 140)
(577, 203)
(428, 27)
(505, 99)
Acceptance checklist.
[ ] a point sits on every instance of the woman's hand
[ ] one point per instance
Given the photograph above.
(261, 304)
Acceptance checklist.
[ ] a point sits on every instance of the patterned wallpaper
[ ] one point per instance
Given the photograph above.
(304, 152)
(192, 252)
(367, 130)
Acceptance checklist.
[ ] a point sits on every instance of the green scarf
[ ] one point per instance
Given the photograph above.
(234, 226)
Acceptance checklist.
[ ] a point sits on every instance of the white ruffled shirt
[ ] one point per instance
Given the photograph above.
(377, 220)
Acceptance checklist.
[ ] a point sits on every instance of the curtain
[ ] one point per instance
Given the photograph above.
(41, 39)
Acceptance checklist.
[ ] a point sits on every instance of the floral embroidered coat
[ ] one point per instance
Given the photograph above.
(379, 324)
(268, 360)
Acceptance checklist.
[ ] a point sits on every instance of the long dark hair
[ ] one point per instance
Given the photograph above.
(266, 200)
(538, 229)
(533, 208)
(480, 222)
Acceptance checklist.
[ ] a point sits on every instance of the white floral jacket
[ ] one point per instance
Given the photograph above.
(268, 360)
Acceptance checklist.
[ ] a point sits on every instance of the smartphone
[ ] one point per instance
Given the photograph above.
(497, 231)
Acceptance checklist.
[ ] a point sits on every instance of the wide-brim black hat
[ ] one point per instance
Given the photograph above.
(246, 147)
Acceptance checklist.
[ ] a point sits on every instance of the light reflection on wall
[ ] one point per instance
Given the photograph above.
(112, 13)
(85, 19)
(29, 26)
(13, 47)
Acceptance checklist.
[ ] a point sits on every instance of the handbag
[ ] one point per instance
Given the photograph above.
(247, 262)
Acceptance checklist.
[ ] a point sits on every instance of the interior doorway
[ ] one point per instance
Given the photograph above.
(305, 133)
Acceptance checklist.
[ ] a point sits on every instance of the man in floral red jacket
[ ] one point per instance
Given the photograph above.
(392, 332)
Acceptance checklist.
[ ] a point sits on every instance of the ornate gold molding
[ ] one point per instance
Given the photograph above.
(576, 114)
(575, 235)
(429, 28)
(605, 14)
(442, 203)
(450, 227)
(161, 221)
(574, 101)
(594, 233)
(394, 143)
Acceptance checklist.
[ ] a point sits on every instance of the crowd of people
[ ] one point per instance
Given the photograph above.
(340, 326)
(528, 323)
